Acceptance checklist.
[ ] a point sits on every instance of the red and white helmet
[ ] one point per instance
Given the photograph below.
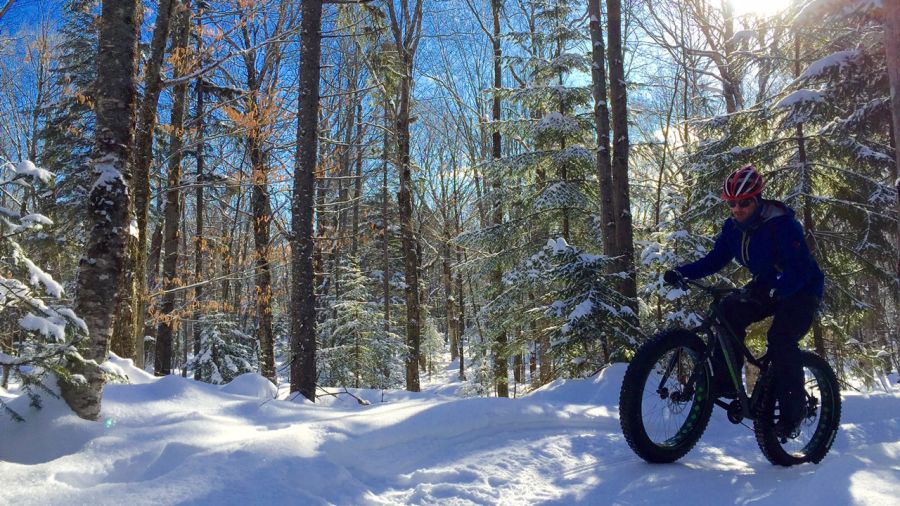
(744, 183)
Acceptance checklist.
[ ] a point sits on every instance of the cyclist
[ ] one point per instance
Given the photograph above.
(764, 237)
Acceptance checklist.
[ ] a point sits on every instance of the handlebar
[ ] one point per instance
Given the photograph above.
(717, 292)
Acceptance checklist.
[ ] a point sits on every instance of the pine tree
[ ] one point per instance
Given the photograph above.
(550, 193)
(356, 351)
(225, 352)
(68, 132)
(824, 144)
(45, 330)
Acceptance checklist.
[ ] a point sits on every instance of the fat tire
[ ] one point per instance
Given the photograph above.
(829, 420)
(631, 396)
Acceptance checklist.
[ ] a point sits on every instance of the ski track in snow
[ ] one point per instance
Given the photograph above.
(176, 441)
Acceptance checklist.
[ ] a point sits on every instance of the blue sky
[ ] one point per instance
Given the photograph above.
(29, 12)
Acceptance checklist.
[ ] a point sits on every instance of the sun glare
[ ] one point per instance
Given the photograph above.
(760, 7)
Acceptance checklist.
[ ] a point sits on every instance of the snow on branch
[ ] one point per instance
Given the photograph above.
(800, 97)
(838, 60)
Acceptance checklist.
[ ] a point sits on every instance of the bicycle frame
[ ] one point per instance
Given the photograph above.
(719, 333)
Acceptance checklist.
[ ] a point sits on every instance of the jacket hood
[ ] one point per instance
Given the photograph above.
(766, 211)
(774, 209)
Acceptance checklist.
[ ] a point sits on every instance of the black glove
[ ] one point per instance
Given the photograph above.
(674, 278)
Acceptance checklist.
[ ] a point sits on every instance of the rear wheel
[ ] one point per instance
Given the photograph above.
(665, 402)
(819, 426)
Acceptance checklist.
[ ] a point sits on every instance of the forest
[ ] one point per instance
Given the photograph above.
(339, 193)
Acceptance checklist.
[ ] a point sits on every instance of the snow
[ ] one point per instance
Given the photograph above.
(581, 310)
(45, 326)
(37, 219)
(814, 11)
(800, 97)
(172, 440)
(555, 123)
(27, 168)
(107, 173)
(838, 59)
(37, 276)
(741, 36)
(251, 385)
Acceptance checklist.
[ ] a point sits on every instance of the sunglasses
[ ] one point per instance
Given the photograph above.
(743, 203)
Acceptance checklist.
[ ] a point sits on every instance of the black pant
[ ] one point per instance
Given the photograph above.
(793, 316)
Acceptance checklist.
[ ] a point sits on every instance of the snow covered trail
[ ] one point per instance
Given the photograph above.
(176, 441)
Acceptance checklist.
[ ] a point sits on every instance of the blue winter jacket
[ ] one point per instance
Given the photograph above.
(771, 245)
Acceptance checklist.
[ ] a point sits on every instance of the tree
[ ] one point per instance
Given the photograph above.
(621, 191)
(170, 279)
(47, 331)
(359, 352)
(224, 353)
(406, 27)
(823, 143)
(892, 52)
(100, 269)
(142, 157)
(303, 295)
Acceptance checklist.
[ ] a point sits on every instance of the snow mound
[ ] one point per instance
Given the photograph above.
(173, 440)
(125, 367)
(251, 385)
(47, 434)
(602, 388)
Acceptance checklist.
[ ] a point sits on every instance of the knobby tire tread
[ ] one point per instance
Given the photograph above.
(826, 430)
(631, 396)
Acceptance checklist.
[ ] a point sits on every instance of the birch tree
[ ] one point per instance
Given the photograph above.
(100, 269)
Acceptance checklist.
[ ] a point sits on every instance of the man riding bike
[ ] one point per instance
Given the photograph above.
(764, 237)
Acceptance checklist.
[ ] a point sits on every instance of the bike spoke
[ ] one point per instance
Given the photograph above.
(668, 397)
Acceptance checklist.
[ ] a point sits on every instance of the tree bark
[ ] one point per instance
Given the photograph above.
(601, 121)
(199, 240)
(261, 209)
(167, 324)
(385, 228)
(809, 225)
(621, 194)
(141, 159)
(892, 52)
(358, 181)
(262, 216)
(500, 339)
(406, 28)
(303, 296)
(100, 269)
(407, 234)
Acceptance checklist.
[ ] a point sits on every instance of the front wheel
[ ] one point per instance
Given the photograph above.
(665, 402)
(819, 426)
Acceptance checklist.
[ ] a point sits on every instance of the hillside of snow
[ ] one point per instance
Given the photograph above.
(176, 441)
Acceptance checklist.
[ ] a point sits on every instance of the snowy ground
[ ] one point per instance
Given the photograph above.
(176, 441)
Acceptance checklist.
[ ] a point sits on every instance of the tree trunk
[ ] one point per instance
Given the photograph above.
(358, 181)
(262, 216)
(170, 281)
(892, 51)
(230, 254)
(500, 339)
(123, 340)
(546, 373)
(385, 229)
(809, 225)
(621, 193)
(407, 234)
(601, 121)
(449, 300)
(141, 159)
(100, 269)
(199, 240)
(303, 296)
(256, 103)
